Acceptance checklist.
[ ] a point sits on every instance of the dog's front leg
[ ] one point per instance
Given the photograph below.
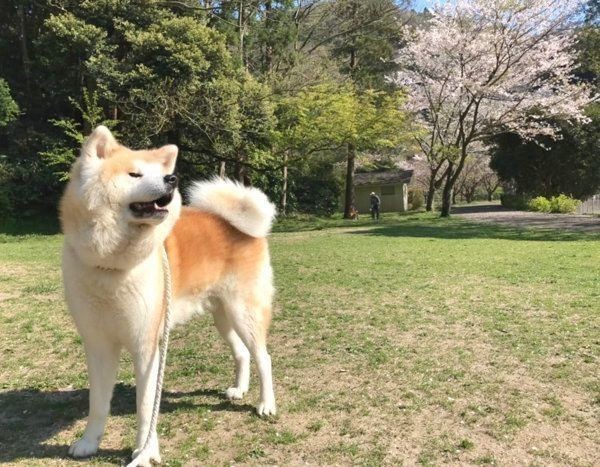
(146, 371)
(102, 361)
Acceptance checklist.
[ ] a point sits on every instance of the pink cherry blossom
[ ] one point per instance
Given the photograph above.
(479, 67)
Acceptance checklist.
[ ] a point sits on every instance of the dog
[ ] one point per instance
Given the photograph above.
(118, 211)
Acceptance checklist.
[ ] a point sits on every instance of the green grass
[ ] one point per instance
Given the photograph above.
(413, 340)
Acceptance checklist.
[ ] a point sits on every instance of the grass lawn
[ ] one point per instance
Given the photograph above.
(412, 341)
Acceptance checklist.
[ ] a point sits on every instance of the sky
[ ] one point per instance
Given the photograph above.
(420, 4)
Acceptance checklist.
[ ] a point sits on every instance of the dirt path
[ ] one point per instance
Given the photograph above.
(500, 215)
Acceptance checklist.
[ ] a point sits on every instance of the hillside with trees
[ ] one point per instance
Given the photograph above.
(275, 94)
(291, 95)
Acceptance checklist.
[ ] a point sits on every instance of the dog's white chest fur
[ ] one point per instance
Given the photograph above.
(110, 303)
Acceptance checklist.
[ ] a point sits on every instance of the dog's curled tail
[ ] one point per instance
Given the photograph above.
(247, 209)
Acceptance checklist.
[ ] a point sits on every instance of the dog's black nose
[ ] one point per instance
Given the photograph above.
(171, 179)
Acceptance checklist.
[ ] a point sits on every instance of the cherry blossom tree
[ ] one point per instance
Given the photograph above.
(489, 180)
(480, 67)
(476, 175)
(428, 173)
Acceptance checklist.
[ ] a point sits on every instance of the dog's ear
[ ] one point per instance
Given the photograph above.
(168, 155)
(99, 144)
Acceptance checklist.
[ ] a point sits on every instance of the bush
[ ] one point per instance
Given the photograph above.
(514, 201)
(563, 204)
(4, 206)
(540, 204)
(314, 190)
(416, 199)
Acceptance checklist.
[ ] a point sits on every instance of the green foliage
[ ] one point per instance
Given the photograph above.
(8, 107)
(331, 116)
(540, 204)
(589, 56)
(256, 97)
(568, 165)
(512, 201)
(365, 36)
(557, 204)
(5, 207)
(61, 156)
(564, 204)
(316, 190)
(416, 198)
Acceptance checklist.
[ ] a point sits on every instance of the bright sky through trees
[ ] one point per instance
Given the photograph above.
(419, 5)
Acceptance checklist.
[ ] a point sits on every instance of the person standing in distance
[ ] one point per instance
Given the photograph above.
(375, 204)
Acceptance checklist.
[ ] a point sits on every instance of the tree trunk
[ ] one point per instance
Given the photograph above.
(430, 195)
(238, 170)
(284, 186)
(268, 45)
(447, 192)
(349, 201)
(222, 169)
(242, 32)
(24, 51)
(470, 195)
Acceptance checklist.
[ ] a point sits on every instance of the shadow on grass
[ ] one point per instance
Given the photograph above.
(460, 230)
(306, 223)
(28, 418)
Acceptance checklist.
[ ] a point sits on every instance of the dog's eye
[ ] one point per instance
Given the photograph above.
(135, 174)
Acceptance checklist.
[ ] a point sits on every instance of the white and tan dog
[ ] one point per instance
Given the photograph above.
(119, 209)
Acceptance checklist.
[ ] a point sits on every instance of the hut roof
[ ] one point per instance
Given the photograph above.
(389, 177)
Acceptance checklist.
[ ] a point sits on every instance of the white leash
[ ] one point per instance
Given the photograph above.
(163, 359)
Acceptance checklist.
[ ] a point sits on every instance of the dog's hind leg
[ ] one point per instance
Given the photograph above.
(251, 325)
(240, 352)
(102, 361)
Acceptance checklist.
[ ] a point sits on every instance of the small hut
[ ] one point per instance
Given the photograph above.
(391, 186)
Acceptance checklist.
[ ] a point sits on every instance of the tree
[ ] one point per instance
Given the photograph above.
(327, 117)
(481, 67)
(569, 165)
(593, 12)
(490, 180)
(9, 110)
(213, 77)
(424, 177)
(156, 77)
(365, 34)
(476, 175)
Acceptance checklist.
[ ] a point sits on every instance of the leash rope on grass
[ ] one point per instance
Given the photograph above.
(163, 358)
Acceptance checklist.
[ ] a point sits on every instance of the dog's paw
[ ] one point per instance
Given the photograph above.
(146, 460)
(234, 393)
(83, 448)
(266, 408)
(152, 454)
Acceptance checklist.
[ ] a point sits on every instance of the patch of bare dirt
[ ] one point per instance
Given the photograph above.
(497, 214)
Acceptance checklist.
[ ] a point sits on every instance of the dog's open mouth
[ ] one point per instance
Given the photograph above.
(156, 208)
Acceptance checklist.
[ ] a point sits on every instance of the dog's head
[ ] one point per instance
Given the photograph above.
(119, 203)
(139, 186)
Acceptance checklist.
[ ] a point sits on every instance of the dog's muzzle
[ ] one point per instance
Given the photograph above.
(156, 209)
